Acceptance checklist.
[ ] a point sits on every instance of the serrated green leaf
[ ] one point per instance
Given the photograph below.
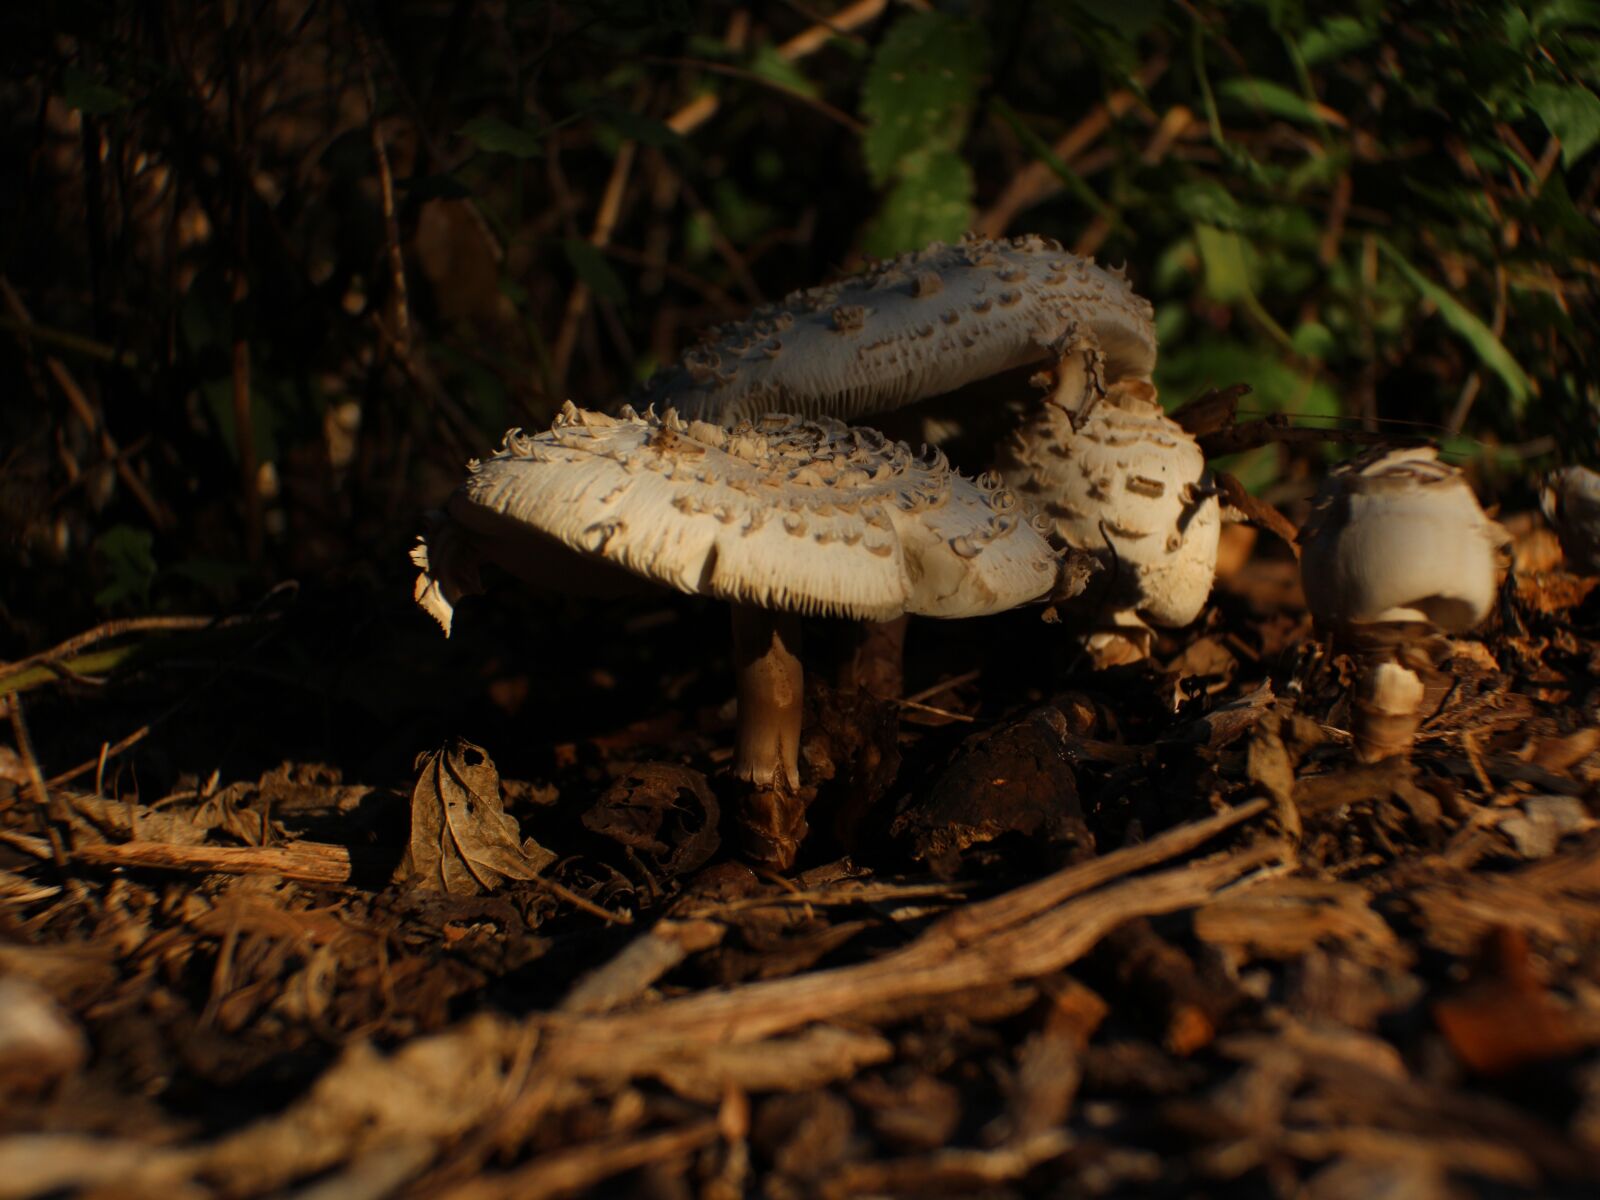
(919, 91)
(494, 136)
(931, 201)
(88, 95)
(1335, 38)
(1460, 318)
(1572, 113)
(591, 267)
(1275, 100)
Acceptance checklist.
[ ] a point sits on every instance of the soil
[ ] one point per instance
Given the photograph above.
(313, 902)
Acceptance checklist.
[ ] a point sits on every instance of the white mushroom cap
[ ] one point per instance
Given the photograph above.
(1570, 498)
(1128, 486)
(1397, 535)
(785, 514)
(913, 327)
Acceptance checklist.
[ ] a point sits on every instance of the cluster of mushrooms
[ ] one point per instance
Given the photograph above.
(743, 481)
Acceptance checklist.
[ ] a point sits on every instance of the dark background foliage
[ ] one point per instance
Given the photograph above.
(274, 271)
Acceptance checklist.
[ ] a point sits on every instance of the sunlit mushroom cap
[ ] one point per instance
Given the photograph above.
(1570, 498)
(784, 513)
(1396, 535)
(1127, 484)
(910, 328)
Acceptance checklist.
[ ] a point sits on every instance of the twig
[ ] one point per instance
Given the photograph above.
(1027, 932)
(605, 221)
(158, 516)
(1036, 182)
(104, 632)
(19, 731)
(391, 224)
(570, 1172)
(944, 685)
(97, 764)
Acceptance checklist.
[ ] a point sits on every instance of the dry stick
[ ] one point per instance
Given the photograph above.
(605, 222)
(1036, 181)
(1024, 933)
(569, 1172)
(159, 517)
(688, 118)
(97, 764)
(101, 633)
(19, 731)
(309, 862)
(391, 223)
(1177, 121)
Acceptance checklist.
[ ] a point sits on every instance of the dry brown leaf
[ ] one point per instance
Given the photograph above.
(462, 839)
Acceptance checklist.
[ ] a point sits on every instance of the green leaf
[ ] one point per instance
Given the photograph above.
(126, 555)
(931, 201)
(1228, 264)
(1335, 38)
(774, 68)
(1572, 113)
(88, 95)
(1275, 100)
(494, 136)
(1460, 318)
(647, 131)
(591, 267)
(1207, 202)
(920, 90)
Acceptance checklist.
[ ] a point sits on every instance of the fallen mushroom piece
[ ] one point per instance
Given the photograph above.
(1129, 486)
(1395, 549)
(782, 517)
(1570, 498)
(917, 326)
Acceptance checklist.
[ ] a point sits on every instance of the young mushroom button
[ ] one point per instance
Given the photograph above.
(1128, 485)
(1395, 549)
(782, 517)
(918, 326)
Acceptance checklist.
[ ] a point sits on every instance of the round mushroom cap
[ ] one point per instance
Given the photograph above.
(1127, 484)
(1570, 498)
(1396, 535)
(783, 513)
(913, 327)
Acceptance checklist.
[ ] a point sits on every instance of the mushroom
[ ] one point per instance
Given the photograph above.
(1128, 485)
(783, 518)
(929, 323)
(917, 326)
(1570, 498)
(1395, 549)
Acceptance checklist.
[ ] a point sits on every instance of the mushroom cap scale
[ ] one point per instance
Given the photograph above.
(1396, 535)
(913, 327)
(809, 517)
(1128, 484)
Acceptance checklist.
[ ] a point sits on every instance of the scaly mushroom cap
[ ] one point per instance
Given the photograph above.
(1570, 498)
(1396, 535)
(788, 514)
(1128, 487)
(913, 327)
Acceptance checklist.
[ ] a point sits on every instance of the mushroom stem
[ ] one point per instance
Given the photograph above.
(1387, 711)
(766, 653)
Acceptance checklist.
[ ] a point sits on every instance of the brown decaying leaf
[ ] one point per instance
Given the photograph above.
(462, 839)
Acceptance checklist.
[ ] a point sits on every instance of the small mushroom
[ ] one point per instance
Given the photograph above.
(1570, 498)
(1396, 548)
(1128, 485)
(782, 517)
(917, 326)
